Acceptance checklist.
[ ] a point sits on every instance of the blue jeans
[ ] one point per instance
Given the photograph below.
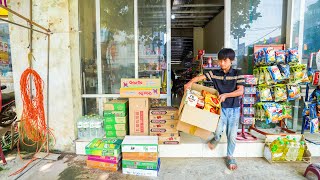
(229, 117)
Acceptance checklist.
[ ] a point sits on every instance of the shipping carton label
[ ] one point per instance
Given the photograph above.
(139, 148)
(115, 127)
(140, 92)
(116, 133)
(114, 113)
(116, 105)
(140, 83)
(112, 119)
(139, 121)
(169, 140)
(139, 165)
(171, 134)
(137, 156)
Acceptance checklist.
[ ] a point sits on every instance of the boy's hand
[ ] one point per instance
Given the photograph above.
(223, 97)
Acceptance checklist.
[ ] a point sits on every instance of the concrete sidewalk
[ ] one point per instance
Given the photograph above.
(74, 167)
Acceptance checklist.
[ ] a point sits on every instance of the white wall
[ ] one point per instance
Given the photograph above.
(61, 17)
(197, 39)
(214, 34)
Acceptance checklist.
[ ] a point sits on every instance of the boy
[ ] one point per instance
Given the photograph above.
(229, 83)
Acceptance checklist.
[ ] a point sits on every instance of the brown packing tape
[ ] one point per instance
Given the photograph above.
(192, 130)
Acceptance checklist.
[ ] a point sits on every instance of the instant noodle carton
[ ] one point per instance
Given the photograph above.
(198, 117)
(103, 165)
(116, 105)
(116, 133)
(140, 156)
(112, 119)
(169, 134)
(140, 164)
(164, 113)
(104, 147)
(140, 144)
(169, 140)
(140, 92)
(140, 83)
(115, 127)
(164, 128)
(106, 159)
(142, 172)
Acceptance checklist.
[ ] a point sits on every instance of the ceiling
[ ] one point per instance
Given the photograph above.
(194, 13)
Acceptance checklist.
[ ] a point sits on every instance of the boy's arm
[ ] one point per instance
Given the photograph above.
(235, 93)
(194, 80)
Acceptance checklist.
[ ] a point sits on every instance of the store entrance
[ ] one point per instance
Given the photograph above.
(196, 25)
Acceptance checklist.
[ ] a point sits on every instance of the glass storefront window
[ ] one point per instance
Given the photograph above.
(152, 34)
(117, 43)
(90, 106)
(88, 47)
(256, 22)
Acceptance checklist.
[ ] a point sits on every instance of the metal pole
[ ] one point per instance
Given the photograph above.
(136, 39)
(99, 61)
(1, 19)
(168, 17)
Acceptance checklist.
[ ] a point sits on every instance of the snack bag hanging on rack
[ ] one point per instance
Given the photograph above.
(292, 56)
(261, 76)
(284, 70)
(275, 73)
(271, 112)
(267, 76)
(293, 92)
(314, 125)
(280, 56)
(256, 75)
(299, 74)
(257, 59)
(265, 93)
(269, 53)
(280, 92)
(286, 110)
(313, 111)
(262, 58)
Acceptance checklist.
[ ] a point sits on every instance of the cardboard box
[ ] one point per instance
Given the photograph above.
(142, 172)
(172, 134)
(106, 159)
(162, 121)
(140, 164)
(269, 156)
(140, 156)
(140, 83)
(104, 147)
(138, 116)
(140, 144)
(140, 93)
(165, 113)
(169, 140)
(112, 119)
(116, 105)
(168, 125)
(103, 165)
(115, 127)
(115, 113)
(116, 133)
(198, 117)
(193, 130)
(165, 129)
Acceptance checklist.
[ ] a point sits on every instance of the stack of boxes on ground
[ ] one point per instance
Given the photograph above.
(116, 118)
(139, 91)
(163, 123)
(199, 111)
(104, 154)
(140, 155)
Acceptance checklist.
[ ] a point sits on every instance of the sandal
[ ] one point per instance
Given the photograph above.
(231, 161)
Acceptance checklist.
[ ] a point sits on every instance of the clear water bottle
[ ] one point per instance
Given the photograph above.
(80, 128)
(86, 127)
(102, 133)
(92, 123)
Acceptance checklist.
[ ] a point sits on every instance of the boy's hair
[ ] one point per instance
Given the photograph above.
(225, 53)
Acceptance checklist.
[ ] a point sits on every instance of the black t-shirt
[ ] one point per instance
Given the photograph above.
(226, 83)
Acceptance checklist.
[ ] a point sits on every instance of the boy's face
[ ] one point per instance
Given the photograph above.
(225, 64)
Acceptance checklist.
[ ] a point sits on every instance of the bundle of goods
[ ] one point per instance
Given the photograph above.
(116, 118)
(90, 127)
(287, 149)
(104, 154)
(140, 156)
(278, 76)
(163, 123)
(203, 100)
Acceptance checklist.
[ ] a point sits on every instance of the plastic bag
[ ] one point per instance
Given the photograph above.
(280, 93)
(265, 93)
(280, 56)
(293, 92)
(284, 70)
(275, 73)
(292, 56)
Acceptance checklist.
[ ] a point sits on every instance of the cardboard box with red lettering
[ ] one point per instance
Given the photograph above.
(141, 83)
(164, 113)
(139, 116)
(198, 117)
(140, 92)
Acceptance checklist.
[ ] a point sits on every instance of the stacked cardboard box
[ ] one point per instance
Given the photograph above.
(116, 118)
(140, 155)
(104, 154)
(140, 88)
(163, 123)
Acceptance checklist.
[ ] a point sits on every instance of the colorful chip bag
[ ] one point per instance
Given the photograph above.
(265, 93)
(284, 70)
(275, 73)
(293, 92)
(212, 100)
(314, 125)
(280, 56)
(292, 56)
(280, 92)
(269, 56)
